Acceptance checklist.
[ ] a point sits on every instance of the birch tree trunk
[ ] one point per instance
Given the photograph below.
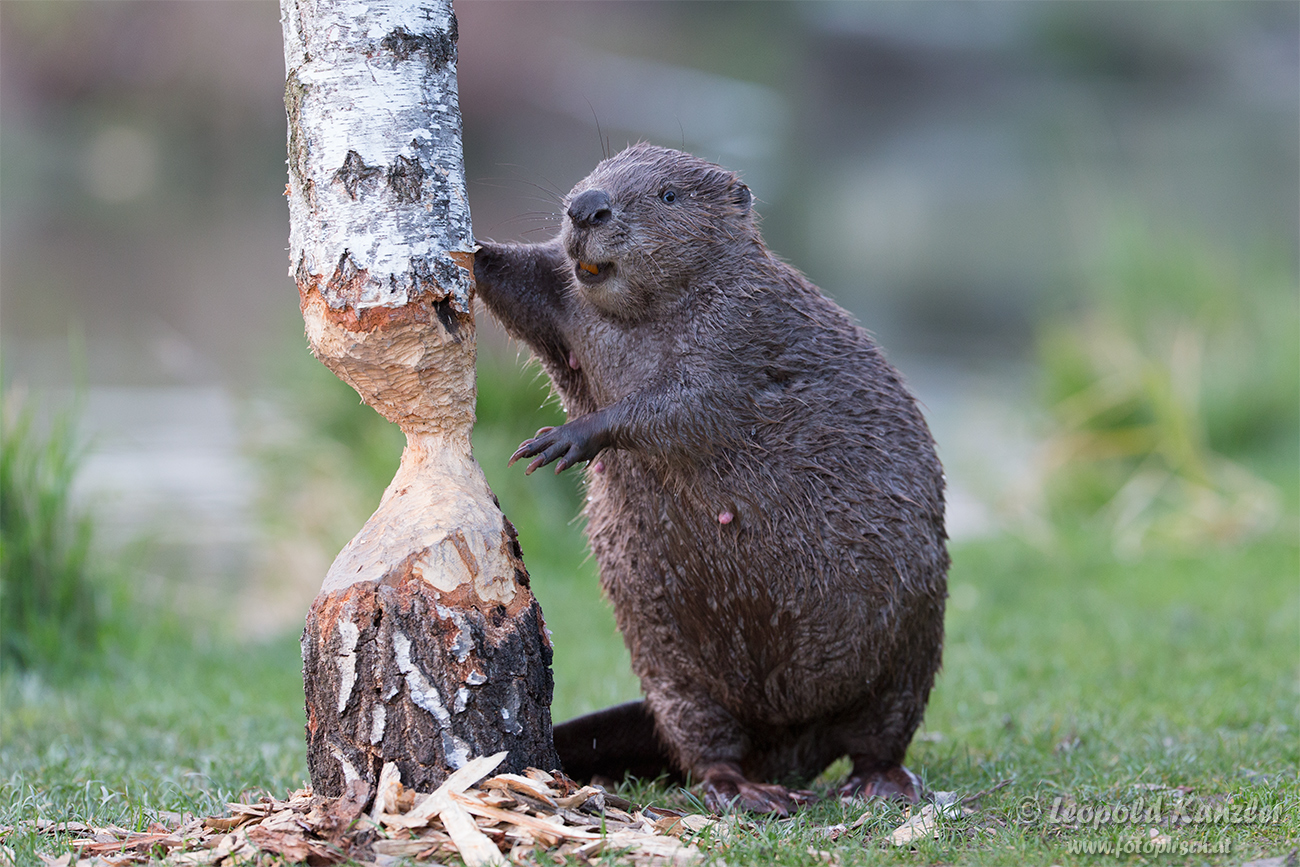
(425, 646)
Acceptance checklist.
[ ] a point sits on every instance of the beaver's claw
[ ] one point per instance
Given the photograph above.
(726, 789)
(569, 444)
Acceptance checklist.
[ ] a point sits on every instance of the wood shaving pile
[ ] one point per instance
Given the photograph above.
(509, 818)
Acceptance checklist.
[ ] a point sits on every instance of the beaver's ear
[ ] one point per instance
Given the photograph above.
(743, 198)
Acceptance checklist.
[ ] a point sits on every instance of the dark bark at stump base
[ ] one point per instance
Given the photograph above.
(426, 679)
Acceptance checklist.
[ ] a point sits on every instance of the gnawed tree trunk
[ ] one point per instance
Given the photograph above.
(425, 646)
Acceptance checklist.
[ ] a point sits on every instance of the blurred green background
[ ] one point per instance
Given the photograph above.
(1073, 226)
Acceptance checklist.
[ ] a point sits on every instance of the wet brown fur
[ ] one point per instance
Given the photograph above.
(711, 379)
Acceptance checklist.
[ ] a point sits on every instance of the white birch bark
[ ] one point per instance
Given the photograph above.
(376, 176)
(425, 646)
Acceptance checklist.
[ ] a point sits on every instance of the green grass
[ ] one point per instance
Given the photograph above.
(184, 729)
(1078, 676)
(1069, 674)
(65, 609)
(51, 614)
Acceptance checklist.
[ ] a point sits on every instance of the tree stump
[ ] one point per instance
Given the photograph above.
(425, 646)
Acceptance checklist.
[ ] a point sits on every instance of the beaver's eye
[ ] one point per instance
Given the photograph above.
(668, 196)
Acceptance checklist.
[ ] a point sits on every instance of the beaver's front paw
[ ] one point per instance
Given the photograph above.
(579, 440)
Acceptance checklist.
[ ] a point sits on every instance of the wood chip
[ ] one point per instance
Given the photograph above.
(539, 775)
(404, 848)
(294, 847)
(525, 785)
(921, 824)
(225, 823)
(582, 796)
(676, 826)
(390, 781)
(547, 827)
(472, 844)
(45, 826)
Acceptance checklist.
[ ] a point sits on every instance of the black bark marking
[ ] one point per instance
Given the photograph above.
(406, 179)
(343, 289)
(434, 276)
(345, 274)
(294, 94)
(300, 274)
(445, 272)
(512, 536)
(438, 46)
(447, 316)
(354, 172)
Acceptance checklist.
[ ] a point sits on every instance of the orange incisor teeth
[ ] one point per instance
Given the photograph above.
(588, 267)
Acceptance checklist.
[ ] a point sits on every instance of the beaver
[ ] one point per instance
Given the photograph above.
(764, 500)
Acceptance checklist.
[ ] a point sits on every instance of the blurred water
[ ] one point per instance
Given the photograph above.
(169, 460)
(983, 426)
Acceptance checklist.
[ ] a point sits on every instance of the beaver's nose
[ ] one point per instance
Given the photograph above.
(590, 209)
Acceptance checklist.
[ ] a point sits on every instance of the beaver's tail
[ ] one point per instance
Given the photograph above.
(613, 743)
